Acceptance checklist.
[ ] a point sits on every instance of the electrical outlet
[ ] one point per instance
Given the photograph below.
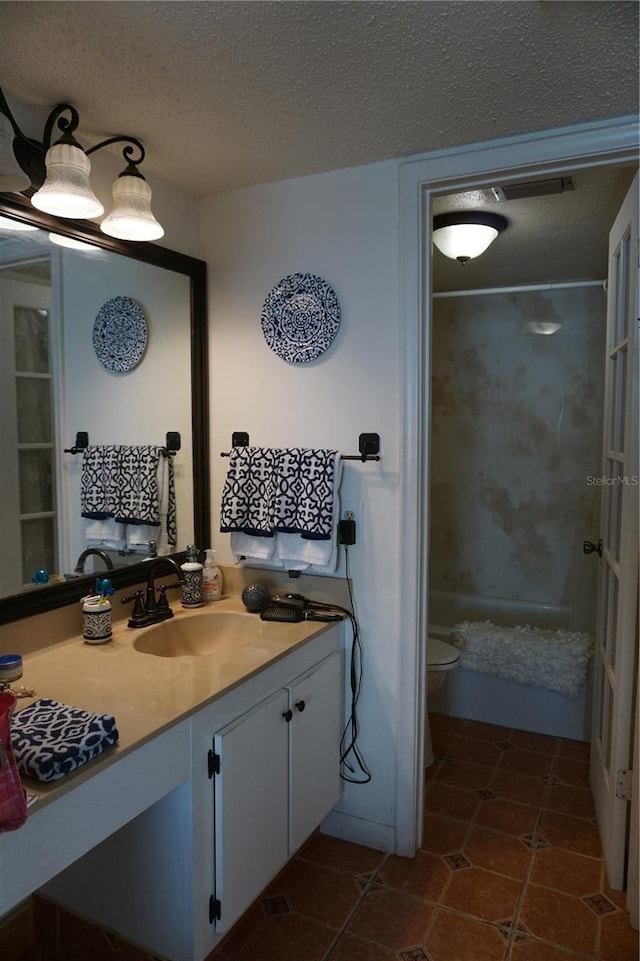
(352, 511)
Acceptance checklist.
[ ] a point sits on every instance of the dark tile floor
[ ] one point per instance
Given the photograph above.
(510, 870)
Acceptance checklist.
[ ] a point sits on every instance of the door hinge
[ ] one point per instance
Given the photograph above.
(623, 785)
(213, 763)
(215, 909)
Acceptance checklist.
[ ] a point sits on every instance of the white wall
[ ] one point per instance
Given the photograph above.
(136, 407)
(343, 227)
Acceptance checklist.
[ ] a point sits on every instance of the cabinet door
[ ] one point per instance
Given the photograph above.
(315, 731)
(251, 793)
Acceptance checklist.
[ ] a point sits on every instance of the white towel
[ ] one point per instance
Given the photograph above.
(106, 534)
(297, 554)
(251, 548)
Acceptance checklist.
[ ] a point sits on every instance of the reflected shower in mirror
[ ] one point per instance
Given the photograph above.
(107, 339)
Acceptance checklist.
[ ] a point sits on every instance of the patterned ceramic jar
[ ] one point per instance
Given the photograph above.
(96, 618)
(191, 589)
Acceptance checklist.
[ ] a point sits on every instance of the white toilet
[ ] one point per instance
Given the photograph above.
(441, 658)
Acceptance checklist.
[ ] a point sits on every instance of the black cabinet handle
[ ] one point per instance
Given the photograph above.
(287, 715)
(300, 706)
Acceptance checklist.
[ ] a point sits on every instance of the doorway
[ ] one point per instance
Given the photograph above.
(517, 391)
(420, 179)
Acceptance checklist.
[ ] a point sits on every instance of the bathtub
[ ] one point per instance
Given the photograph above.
(487, 697)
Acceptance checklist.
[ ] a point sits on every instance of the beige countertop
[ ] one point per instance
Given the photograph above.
(147, 693)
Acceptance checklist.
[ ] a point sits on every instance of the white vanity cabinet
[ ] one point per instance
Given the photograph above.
(262, 771)
(276, 776)
(315, 700)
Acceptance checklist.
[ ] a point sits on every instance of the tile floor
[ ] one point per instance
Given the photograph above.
(510, 870)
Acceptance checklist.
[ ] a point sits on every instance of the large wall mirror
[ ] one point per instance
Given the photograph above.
(60, 379)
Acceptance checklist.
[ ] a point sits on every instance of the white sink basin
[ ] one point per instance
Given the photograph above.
(198, 634)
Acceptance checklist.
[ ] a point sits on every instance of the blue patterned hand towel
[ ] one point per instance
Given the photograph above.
(51, 739)
(247, 498)
(99, 481)
(289, 490)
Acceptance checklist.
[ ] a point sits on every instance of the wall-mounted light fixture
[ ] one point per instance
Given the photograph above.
(466, 233)
(56, 176)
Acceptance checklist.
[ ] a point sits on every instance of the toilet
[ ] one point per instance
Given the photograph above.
(441, 658)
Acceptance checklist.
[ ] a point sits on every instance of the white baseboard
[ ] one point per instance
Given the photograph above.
(372, 834)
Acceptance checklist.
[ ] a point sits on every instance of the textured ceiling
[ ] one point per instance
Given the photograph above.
(227, 94)
(549, 239)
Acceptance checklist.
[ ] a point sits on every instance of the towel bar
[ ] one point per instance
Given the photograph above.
(172, 443)
(368, 445)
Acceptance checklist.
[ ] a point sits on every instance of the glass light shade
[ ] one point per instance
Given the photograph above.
(61, 241)
(12, 177)
(66, 191)
(131, 217)
(464, 241)
(545, 327)
(6, 223)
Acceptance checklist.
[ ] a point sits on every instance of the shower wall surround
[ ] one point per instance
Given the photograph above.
(516, 436)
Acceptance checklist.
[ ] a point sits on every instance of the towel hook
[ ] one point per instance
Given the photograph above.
(82, 442)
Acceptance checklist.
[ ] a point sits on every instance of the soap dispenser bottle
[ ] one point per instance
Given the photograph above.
(191, 590)
(211, 577)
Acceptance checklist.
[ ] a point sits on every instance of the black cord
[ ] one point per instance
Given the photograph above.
(349, 740)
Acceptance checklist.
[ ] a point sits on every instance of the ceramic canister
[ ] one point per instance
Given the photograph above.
(96, 621)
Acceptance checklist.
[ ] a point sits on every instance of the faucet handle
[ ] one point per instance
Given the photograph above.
(163, 612)
(138, 615)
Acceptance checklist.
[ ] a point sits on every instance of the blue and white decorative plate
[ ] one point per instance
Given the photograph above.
(300, 318)
(120, 334)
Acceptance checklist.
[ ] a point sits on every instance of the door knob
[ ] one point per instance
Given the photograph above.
(588, 547)
(300, 706)
(287, 715)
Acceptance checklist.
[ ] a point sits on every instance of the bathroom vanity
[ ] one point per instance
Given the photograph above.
(228, 759)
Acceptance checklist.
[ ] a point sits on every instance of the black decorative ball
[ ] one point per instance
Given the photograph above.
(255, 597)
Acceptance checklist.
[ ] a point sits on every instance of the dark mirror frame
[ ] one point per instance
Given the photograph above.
(41, 599)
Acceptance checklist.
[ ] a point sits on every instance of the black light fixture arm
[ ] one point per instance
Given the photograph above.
(68, 125)
(133, 143)
(31, 153)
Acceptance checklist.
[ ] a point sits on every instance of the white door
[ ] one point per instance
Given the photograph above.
(617, 626)
(27, 437)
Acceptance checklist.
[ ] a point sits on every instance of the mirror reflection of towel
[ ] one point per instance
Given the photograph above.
(98, 481)
(138, 497)
(127, 495)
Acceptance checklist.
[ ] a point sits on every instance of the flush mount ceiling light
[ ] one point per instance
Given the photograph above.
(56, 176)
(466, 233)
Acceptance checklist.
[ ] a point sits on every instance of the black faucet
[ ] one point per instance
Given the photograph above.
(148, 609)
(79, 568)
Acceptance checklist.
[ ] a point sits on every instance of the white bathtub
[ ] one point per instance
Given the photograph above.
(486, 697)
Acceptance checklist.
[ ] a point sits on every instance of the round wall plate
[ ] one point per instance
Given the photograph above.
(300, 318)
(120, 334)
